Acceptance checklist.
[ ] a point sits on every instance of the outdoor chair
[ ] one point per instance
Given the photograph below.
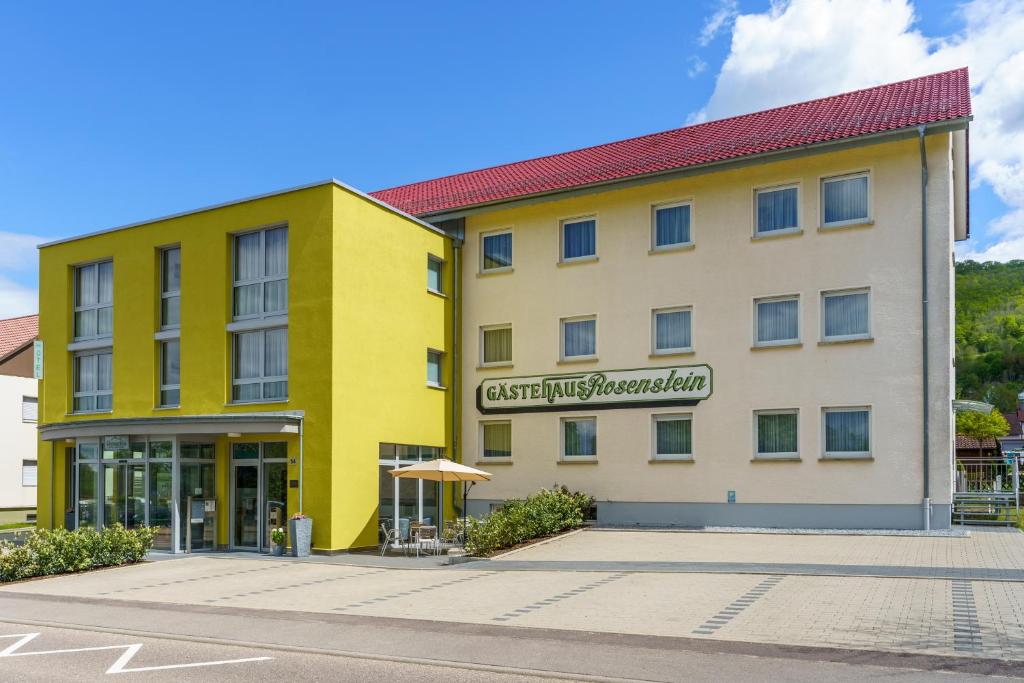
(426, 539)
(390, 538)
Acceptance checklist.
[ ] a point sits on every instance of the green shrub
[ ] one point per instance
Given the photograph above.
(542, 514)
(60, 551)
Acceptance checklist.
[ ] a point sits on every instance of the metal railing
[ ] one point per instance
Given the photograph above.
(987, 490)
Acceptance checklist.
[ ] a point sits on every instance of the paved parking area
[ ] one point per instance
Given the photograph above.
(913, 613)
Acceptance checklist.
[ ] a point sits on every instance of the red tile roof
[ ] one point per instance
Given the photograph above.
(939, 97)
(972, 443)
(16, 332)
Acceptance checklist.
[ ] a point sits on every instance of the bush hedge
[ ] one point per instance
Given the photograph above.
(542, 514)
(60, 551)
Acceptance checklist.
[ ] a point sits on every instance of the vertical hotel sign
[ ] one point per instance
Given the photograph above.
(679, 385)
(37, 359)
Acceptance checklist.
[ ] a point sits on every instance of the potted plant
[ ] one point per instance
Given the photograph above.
(300, 528)
(277, 538)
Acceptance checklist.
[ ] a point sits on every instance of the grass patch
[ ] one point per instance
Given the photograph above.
(17, 525)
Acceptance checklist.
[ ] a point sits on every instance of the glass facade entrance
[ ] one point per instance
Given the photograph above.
(403, 501)
(132, 481)
(259, 493)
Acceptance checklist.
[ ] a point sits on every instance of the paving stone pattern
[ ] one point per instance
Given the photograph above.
(555, 599)
(737, 606)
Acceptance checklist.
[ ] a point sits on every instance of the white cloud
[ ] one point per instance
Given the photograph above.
(802, 49)
(696, 66)
(16, 299)
(18, 251)
(719, 20)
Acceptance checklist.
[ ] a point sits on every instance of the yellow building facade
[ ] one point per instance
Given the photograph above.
(213, 373)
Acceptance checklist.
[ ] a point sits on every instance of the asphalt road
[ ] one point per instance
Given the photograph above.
(203, 645)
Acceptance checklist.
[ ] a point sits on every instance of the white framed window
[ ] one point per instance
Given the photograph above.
(671, 330)
(672, 436)
(170, 373)
(495, 439)
(434, 360)
(776, 210)
(846, 314)
(496, 345)
(94, 300)
(846, 432)
(260, 273)
(578, 338)
(777, 434)
(29, 472)
(579, 437)
(435, 272)
(777, 320)
(496, 251)
(170, 288)
(579, 238)
(670, 225)
(845, 200)
(93, 382)
(260, 365)
(29, 409)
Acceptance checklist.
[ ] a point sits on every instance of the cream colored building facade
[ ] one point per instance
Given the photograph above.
(719, 275)
(18, 463)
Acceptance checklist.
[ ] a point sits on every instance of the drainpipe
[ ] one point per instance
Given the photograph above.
(926, 503)
(456, 304)
(53, 465)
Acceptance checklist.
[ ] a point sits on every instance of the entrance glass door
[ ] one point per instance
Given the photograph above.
(124, 494)
(246, 512)
(275, 493)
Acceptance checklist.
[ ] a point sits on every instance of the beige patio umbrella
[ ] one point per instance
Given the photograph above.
(444, 470)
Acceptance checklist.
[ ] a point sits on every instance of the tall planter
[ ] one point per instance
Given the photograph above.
(301, 532)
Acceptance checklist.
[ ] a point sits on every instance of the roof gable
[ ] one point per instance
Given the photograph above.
(16, 333)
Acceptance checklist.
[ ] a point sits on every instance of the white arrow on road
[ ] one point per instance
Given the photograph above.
(117, 667)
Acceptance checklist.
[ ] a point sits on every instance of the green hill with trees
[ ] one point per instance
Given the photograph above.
(990, 332)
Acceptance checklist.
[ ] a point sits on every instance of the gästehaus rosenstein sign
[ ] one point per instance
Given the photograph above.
(680, 385)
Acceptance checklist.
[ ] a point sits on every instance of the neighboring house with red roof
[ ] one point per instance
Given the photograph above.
(18, 414)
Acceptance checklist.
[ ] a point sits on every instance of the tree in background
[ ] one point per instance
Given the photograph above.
(981, 425)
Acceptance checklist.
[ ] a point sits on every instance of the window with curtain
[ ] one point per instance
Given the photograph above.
(672, 331)
(579, 238)
(777, 321)
(170, 373)
(170, 288)
(671, 225)
(433, 368)
(776, 434)
(777, 209)
(260, 371)
(94, 300)
(29, 472)
(673, 436)
(29, 409)
(93, 382)
(845, 315)
(496, 344)
(579, 338)
(844, 200)
(434, 266)
(579, 437)
(496, 439)
(497, 251)
(261, 273)
(847, 432)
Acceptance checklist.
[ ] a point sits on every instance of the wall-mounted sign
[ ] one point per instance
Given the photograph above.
(679, 385)
(37, 359)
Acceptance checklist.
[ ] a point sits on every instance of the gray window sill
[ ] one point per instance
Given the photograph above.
(436, 292)
(857, 340)
(165, 335)
(840, 226)
(578, 460)
(670, 248)
(770, 459)
(670, 461)
(577, 359)
(577, 261)
(790, 232)
(495, 271)
(493, 461)
(439, 387)
(277, 401)
(670, 354)
(248, 324)
(842, 458)
(177, 407)
(488, 366)
(769, 347)
(89, 412)
(91, 344)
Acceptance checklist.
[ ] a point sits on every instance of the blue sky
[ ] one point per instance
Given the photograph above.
(117, 112)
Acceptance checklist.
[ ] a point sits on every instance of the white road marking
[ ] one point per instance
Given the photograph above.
(117, 667)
